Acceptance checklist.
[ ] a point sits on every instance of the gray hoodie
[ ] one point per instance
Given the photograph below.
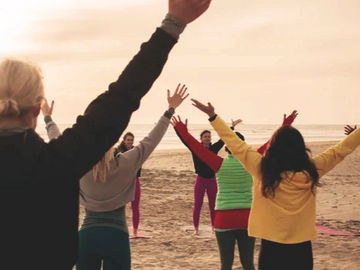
(119, 188)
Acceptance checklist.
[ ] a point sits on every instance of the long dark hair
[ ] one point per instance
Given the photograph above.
(286, 152)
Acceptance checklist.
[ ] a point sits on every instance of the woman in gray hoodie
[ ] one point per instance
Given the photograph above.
(105, 191)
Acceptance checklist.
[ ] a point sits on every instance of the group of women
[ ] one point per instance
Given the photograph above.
(234, 196)
(269, 195)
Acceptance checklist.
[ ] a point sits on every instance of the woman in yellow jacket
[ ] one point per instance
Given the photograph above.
(285, 182)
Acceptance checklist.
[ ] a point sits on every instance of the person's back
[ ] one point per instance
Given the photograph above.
(293, 205)
(233, 200)
(234, 185)
(37, 197)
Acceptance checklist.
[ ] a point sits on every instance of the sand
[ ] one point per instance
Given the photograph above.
(166, 209)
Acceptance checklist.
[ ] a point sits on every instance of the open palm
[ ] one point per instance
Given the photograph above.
(208, 109)
(178, 97)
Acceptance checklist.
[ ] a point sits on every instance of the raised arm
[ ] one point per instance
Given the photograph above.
(133, 159)
(181, 139)
(211, 159)
(216, 147)
(243, 152)
(334, 155)
(108, 115)
(286, 121)
(52, 129)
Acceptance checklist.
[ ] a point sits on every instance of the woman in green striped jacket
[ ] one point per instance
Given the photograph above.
(233, 201)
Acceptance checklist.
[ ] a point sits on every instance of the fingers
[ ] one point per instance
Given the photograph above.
(179, 118)
(195, 102)
(198, 104)
(173, 121)
(205, 4)
(294, 114)
(177, 89)
(183, 90)
(168, 93)
(185, 97)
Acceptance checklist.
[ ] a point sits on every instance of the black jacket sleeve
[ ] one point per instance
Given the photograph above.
(216, 147)
(104, 120)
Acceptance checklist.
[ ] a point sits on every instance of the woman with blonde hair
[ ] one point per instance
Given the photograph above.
(105, 191)
(39, 183)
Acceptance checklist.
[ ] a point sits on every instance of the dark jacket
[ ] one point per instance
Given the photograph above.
(201, 168)
(39, 182)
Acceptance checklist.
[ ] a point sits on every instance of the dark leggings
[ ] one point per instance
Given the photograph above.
(226, 243)
(276, 256)
(103, 244)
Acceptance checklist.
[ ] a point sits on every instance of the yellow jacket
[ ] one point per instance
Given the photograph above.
(290, 216)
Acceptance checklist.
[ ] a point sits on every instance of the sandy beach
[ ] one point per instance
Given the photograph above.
(166, 209)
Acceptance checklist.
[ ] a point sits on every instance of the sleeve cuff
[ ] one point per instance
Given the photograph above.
(47, 119)
(168, 114)
(212, 118)
(173, 26)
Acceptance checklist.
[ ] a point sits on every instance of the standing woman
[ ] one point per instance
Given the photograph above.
(105, 191)
(126, 144)
(35, 173)
(285, 180)
(233, 201)
(205, 177)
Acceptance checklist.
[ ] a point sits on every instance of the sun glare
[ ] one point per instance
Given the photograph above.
(15, 20)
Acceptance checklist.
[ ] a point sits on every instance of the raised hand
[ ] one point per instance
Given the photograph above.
(46, 109)
(178, 97)
(175, 121)
(208, 109)
(348, 129)
(234, 123)
(188, 10)
(294, 114)
(288, 120)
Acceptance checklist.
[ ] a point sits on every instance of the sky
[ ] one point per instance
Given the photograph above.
(254, 60)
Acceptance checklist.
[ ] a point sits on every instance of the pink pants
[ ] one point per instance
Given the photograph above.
(135, 205)
(201, 185)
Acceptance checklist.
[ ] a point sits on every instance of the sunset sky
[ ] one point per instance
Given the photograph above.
(253, 60)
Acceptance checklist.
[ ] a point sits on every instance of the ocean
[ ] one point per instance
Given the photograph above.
(254, 134)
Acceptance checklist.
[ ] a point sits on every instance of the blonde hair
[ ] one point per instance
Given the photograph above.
(21, 87)
(100, 170)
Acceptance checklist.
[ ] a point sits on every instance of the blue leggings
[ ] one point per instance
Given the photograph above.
(106, 245)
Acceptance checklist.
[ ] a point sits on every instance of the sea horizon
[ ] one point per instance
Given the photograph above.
(254, 133)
